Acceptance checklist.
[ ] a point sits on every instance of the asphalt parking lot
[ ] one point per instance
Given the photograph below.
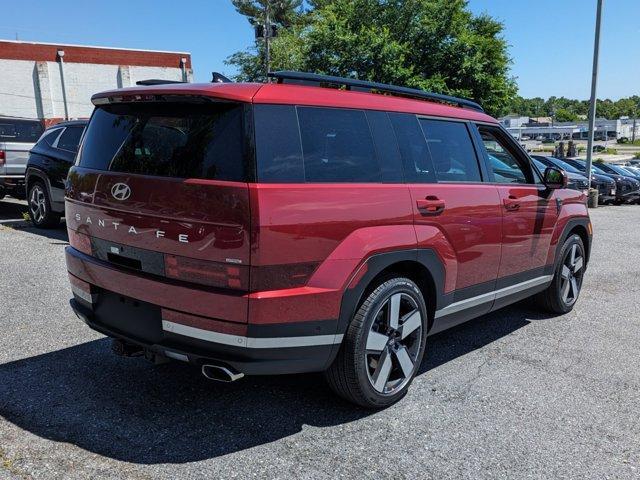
(514, 394)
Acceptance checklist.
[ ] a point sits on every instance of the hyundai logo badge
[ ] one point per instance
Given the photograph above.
(120, 191)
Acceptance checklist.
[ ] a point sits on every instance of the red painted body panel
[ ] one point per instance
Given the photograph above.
(470, 230)
(185, 298)
(530, 215)
(303, 95)
(214, 216)
(329, 97)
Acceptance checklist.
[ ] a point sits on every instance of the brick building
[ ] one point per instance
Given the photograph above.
(52, 82)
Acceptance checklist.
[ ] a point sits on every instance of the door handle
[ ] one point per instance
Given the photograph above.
(511, 204)
(431, 205)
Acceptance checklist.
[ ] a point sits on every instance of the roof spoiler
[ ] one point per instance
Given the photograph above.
(362, 85)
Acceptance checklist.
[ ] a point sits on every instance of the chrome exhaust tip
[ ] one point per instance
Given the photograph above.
(220, 373)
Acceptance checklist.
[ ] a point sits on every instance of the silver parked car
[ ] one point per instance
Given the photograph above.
(17, 137)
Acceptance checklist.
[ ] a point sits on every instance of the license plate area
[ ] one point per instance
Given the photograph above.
(133, 318)
(126, 256)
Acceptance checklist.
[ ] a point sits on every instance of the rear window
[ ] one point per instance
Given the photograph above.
(21, 131)
(167, 140)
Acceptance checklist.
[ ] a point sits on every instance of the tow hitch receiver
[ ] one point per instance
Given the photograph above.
(124, 349)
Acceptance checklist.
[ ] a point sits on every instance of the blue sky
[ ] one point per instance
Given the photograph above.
(551, 41)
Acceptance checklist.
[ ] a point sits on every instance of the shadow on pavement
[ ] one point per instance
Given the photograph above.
(130, 410)
(12, 215)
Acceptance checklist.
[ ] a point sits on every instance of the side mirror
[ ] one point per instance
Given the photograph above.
(555, 178)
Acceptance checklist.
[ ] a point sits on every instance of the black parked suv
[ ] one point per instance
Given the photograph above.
(605, 185)
(576, 180)
(47, 168)
(627, 188)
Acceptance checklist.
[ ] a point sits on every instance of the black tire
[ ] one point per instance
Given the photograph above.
(555, 298)
(356, 374)
(40, 207)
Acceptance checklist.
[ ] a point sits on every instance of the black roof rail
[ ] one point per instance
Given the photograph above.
(157, 81)
(362, 85)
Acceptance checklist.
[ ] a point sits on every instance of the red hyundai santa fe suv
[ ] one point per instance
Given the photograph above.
(311, 224)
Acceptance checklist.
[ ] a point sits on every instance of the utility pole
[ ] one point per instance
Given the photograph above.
(267, 35)
(594, 85)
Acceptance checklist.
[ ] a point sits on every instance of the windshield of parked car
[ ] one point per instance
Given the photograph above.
(619, 170)
(565, 166)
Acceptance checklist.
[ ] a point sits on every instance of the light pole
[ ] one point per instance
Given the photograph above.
(594, 85)
(267, 34)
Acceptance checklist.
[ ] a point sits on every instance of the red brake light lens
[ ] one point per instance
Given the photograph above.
(207, 273)
(3, 157)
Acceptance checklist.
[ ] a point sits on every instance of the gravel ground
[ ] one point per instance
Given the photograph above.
(514, 394)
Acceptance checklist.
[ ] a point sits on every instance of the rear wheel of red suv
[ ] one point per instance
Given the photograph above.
(562, 294)
(383, 345)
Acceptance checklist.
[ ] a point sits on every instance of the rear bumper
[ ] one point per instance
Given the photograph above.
(176, 331)
(12, 182)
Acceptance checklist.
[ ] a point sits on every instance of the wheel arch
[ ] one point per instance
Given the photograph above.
(423, 266)
(579, 226)
(34, 174)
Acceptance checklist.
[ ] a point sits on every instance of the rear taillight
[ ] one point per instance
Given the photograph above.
(277, 277)
(3, 157)
(207, 273)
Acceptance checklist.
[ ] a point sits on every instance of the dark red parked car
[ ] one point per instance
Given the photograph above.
(289, 227)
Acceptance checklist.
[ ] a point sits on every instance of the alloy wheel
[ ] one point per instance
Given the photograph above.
(571, 275)
(38, 204)
(393, 344)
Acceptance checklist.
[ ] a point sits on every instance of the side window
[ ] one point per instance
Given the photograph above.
(503, 161)
(386, 147)
(278, 150)
(49, 137)
(70, 139)
(452, 153)
(413, 148)
(337, 146)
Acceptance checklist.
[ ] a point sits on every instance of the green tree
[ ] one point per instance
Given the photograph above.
(565, 115)
(436, 45)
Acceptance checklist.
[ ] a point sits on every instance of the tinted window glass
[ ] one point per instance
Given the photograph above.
(413, 148)
(452, 153)
(386, 147)
(21, 131)
(70, 139)
(49, 137)
(337, 146)
(169, 140)
(504, 163)
(278, 150)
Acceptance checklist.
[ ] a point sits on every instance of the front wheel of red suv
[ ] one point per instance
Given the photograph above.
(383, 346)
(562, 294)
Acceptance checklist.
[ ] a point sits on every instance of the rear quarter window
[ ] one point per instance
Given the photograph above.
(168, 140)
(315, 145)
